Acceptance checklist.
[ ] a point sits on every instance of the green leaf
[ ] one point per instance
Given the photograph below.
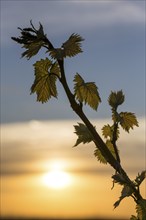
(108, 130)
(99, 155)
(40, 31)
(118, 178)
(72, 46)
(45, 82)
(31, 39)
(139, 179)
(128, 120)
(84, 135)
(68, 49)
(116, 98)
(86, 92)
(126, 192)
(32, 49)
(141, 209)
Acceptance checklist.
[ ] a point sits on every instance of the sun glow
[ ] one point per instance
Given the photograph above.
(57, 178)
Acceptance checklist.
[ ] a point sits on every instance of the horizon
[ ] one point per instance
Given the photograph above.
(30, 151)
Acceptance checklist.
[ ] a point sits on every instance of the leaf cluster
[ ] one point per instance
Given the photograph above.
(127, 120)
(128, 191)
(32, 40)
(115, 99)
(69, 48)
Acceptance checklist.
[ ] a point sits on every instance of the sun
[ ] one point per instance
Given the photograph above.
(57, 178)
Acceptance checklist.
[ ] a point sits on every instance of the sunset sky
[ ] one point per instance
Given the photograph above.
(42, 175)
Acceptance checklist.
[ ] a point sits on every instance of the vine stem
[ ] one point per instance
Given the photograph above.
(114, 141)
(77, 108)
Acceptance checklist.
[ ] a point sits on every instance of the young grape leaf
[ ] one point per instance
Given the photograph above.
(31, 39)
(128, 120)
(139, 179)
(72, 46)
(32, 49)
(45, 83)
(84, 135)
(126, 192)
(116, 98)
(118, 178)
(86, 92)
(40, 31)
(99, 155)
(108, 130)
(141, 209)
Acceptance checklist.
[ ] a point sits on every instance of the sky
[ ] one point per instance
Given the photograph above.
(37, 139)
(113, 57)
(34, 162)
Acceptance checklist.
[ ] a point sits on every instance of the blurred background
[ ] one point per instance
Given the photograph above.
(41, 174)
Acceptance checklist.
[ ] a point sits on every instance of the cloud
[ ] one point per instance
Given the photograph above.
(27, 147)
(62, 17)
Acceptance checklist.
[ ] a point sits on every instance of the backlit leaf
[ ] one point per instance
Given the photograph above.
(118, 178)
(45, 82)
(108, 130)
(84, 135)
(31, 39)
(139, 179)
(141, 209)
(126, 192)
(68, 49)
(99, 155)
(86, 92)
(32, 49)
(116, 98)
(128, 120)
(72, 46)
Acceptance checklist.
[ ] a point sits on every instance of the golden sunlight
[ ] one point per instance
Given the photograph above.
(57, 178)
